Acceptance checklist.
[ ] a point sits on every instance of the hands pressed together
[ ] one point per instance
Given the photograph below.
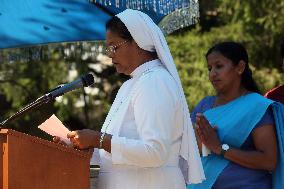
(207, 134)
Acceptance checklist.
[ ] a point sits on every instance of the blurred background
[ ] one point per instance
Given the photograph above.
(28, 73)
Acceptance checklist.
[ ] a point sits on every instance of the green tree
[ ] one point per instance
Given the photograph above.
(28, 73)
(259, 29)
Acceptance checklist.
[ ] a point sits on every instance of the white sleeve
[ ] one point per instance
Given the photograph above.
(95, 159)
(154, 111)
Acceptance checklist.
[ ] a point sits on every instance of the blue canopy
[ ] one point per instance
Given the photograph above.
(32, 22)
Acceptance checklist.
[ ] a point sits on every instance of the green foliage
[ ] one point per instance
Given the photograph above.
(259, 29)
(28, 73)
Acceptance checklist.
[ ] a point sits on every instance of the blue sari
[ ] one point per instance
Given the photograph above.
(235, 121)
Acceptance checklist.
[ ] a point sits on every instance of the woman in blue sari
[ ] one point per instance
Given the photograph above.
(239, 128)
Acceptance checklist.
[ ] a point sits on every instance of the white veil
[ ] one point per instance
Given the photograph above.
(149, 37)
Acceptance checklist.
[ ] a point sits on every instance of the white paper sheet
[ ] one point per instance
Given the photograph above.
(55, 127)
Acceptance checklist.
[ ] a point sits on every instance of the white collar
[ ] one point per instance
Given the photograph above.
(140, 70)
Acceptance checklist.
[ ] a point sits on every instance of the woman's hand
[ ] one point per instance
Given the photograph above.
(84, 139)
(207, 135)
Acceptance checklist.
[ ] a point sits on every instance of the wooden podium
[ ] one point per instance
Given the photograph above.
(28, 162)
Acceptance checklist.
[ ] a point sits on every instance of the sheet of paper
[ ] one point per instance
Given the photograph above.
(55, 127)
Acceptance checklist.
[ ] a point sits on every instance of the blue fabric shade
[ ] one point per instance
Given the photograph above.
(32, 22)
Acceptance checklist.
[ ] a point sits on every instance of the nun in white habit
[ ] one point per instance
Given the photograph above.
(148, 129)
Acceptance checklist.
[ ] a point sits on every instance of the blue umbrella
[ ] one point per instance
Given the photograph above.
(31, 22)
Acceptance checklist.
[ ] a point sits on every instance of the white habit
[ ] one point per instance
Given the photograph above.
(149, 121)
(145, 153)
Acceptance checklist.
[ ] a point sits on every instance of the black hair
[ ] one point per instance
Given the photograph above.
(236, 52)
(115, 25)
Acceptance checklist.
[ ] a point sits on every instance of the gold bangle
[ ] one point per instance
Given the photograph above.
(101, 140)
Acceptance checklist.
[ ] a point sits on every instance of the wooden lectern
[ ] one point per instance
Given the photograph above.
(28, 162)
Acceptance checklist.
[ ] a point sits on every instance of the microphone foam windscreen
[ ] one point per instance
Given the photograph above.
(88, 80)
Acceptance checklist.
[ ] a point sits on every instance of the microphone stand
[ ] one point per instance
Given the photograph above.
(37, 103)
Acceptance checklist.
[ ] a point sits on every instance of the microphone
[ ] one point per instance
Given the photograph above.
(83, 81)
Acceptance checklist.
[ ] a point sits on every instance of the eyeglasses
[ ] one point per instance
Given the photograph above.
(110, 50)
